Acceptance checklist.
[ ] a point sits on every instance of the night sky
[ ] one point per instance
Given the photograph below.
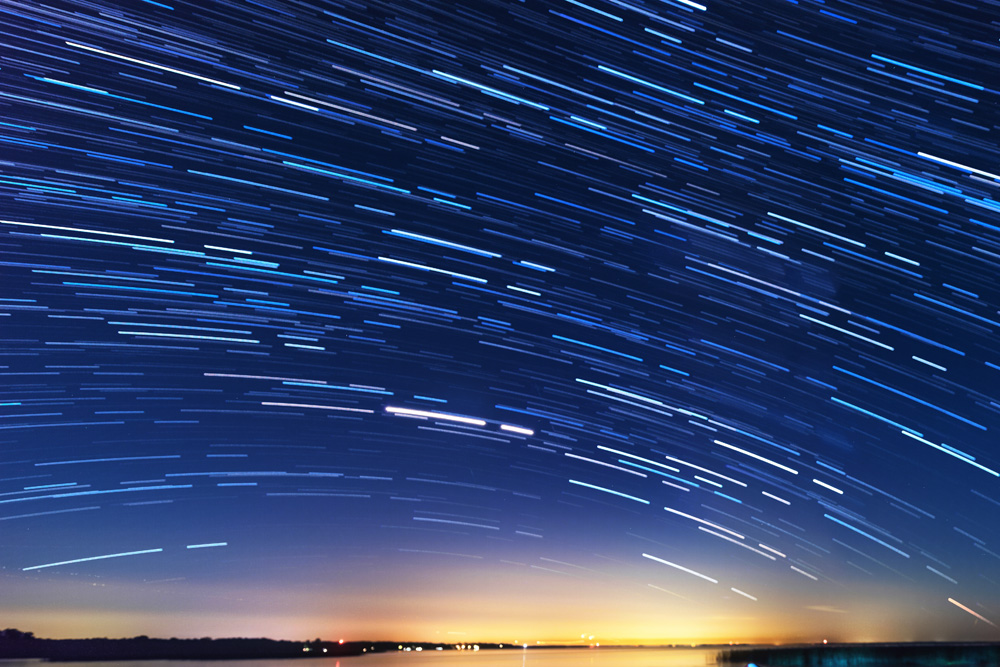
(653, 320)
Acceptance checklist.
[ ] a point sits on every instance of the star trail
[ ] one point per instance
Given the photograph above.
(655, 320)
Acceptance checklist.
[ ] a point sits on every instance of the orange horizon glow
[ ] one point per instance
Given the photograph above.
(451, 603)
(72, 624)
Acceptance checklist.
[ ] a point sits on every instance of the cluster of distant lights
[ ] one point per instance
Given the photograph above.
(468, 647)
(308, 649)
(457, 647)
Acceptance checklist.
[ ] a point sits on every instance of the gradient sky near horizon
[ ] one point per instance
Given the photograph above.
(646, 320)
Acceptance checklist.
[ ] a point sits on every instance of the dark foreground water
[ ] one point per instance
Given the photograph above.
(582, 657)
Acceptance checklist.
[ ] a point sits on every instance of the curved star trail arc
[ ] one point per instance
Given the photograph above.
(568, 291)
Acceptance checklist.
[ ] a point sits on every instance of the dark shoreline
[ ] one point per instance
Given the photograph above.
(15, 644)
(915, 654)
(21, 645)
(26, 646)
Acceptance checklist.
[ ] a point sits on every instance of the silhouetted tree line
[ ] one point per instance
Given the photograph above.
(17, 644)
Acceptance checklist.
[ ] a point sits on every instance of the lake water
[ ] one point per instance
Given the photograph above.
(573, 657)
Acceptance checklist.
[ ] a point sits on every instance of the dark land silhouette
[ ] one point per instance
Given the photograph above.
(17, 644)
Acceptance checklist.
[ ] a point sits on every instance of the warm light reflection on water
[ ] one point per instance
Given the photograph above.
(574, 657)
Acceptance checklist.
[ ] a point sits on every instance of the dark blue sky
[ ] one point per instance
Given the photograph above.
(667, 321)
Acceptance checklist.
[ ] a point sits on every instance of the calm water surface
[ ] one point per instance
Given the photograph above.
(601, 657)
(582, 657)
